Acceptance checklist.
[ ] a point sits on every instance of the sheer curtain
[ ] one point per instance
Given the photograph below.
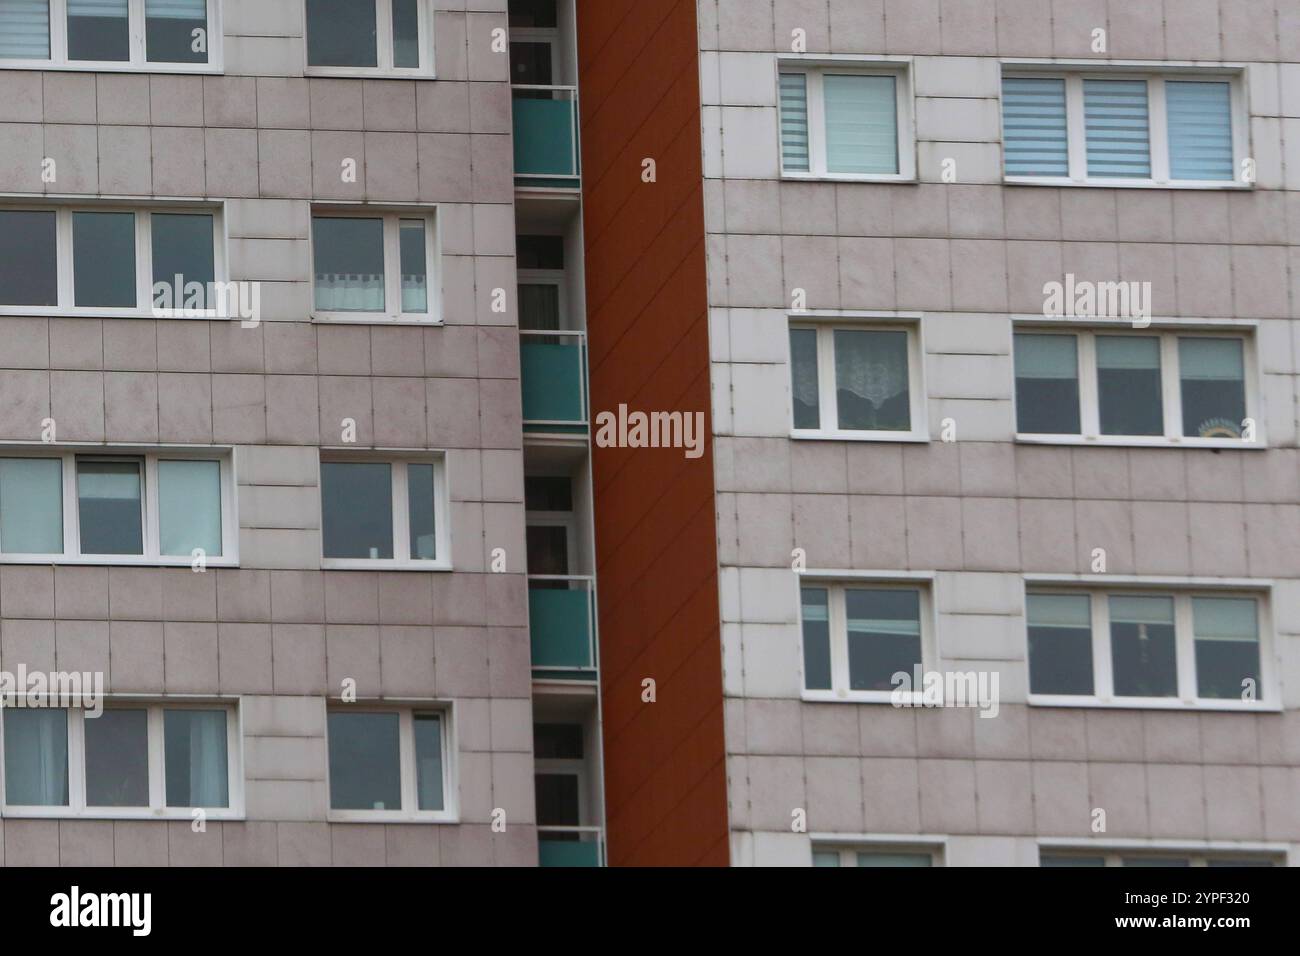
(36, 757)
(208, 758)
(349, 292)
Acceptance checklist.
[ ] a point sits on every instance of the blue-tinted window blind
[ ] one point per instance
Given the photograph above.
(1118, 129)
(25, 29)
(1034, 128)
(794, 122)
(861, 124)
(1200, 129)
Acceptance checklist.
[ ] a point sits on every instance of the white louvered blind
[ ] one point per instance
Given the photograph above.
(1035, 130)
(25, 29)
(794, 122)
(176, 9)
(1118, 129)
(1200, 130)
(98, 8)
(861, 124)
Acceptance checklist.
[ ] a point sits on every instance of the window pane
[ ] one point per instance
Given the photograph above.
(1213, 387)
(1034, 129)
(1057, 859)
(1143, 655)
(557, 741)
(871, 389)
(31, 506)
(1115, 114)
(420, 494)
(1227, 648)
(1060, 643)
(539, 307)
(36, 757)
(794, 122)
(884, 631)
(415, 269)
(103, 258)
(548, 553)
(532, 13)
(531, 64)
(117, 759)
(539, 252)
(349, 264)
(1047, 384)
(24, 31)
(357, 509)
(1156, 861)
(861, 124)
(428, 760)
(1200, 130)
(1128, 385)
(173, 28)
(558, 802)
(406, 34)
(816, 639)
(189, 507)
(194, 754)
(365, 762)
(895, 859)
(98, 30)
(341, 33)
(826, 858)
(183, 254)
(108, 503)
(803, 372)
(28, 258)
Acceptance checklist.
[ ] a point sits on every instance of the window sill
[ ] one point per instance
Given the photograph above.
(115, 560)
(909, 699)
(1138, 441)
(382, 564)
(881, 437)
(1059, 181)
(904, 178)
(112, 66)
(1153, 703)
(374, 318)
(369, 73)
(391, 816)
(55, 312)
(211, 815)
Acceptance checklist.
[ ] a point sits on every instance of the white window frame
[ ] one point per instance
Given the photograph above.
(410, 812)
(1170, 383)
(825, 324)
(1197, 854)
(392, 314)
(1181, 593)
(151, 531)
(158, 808)
(1157, 122)
(401, 560)
(814, 69)
(138, 63)
(144, 308)
(836, 582)
(384, 43)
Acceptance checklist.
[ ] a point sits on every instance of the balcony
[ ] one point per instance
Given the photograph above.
(568, 846)
(553, 369)
(546, 137)
(560, 616)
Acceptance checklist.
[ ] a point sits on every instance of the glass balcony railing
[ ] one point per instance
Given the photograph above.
(546, 136)
(568, 846)
(560, 618)
(553, 370)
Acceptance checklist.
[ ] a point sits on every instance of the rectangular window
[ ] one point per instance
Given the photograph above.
(877, 856)
(1138, 648)
(1125, 388)
(1105, 856)
(856, 381)
(1175, 128)
(383, 513)
(169, 35)
(369, 36)
(109, 261)
(380, 267)
(132, 760)
(858, 635)
(151, 508)
(388, 764)
(850, 121)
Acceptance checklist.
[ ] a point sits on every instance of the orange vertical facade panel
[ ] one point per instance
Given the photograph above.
(656, 540)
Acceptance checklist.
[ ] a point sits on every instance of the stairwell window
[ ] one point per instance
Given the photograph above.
(390, 764)
(1181, 129)
(154, 35)
(857, 381)
(1136, 388)
(384, 513)
(347, 37)
(1135, 648)
(375, 267)
(847, 120)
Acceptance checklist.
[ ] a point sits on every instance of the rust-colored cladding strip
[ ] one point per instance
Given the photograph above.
(656, 544)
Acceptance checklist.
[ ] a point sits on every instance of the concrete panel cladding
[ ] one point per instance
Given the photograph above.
(655, 538)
